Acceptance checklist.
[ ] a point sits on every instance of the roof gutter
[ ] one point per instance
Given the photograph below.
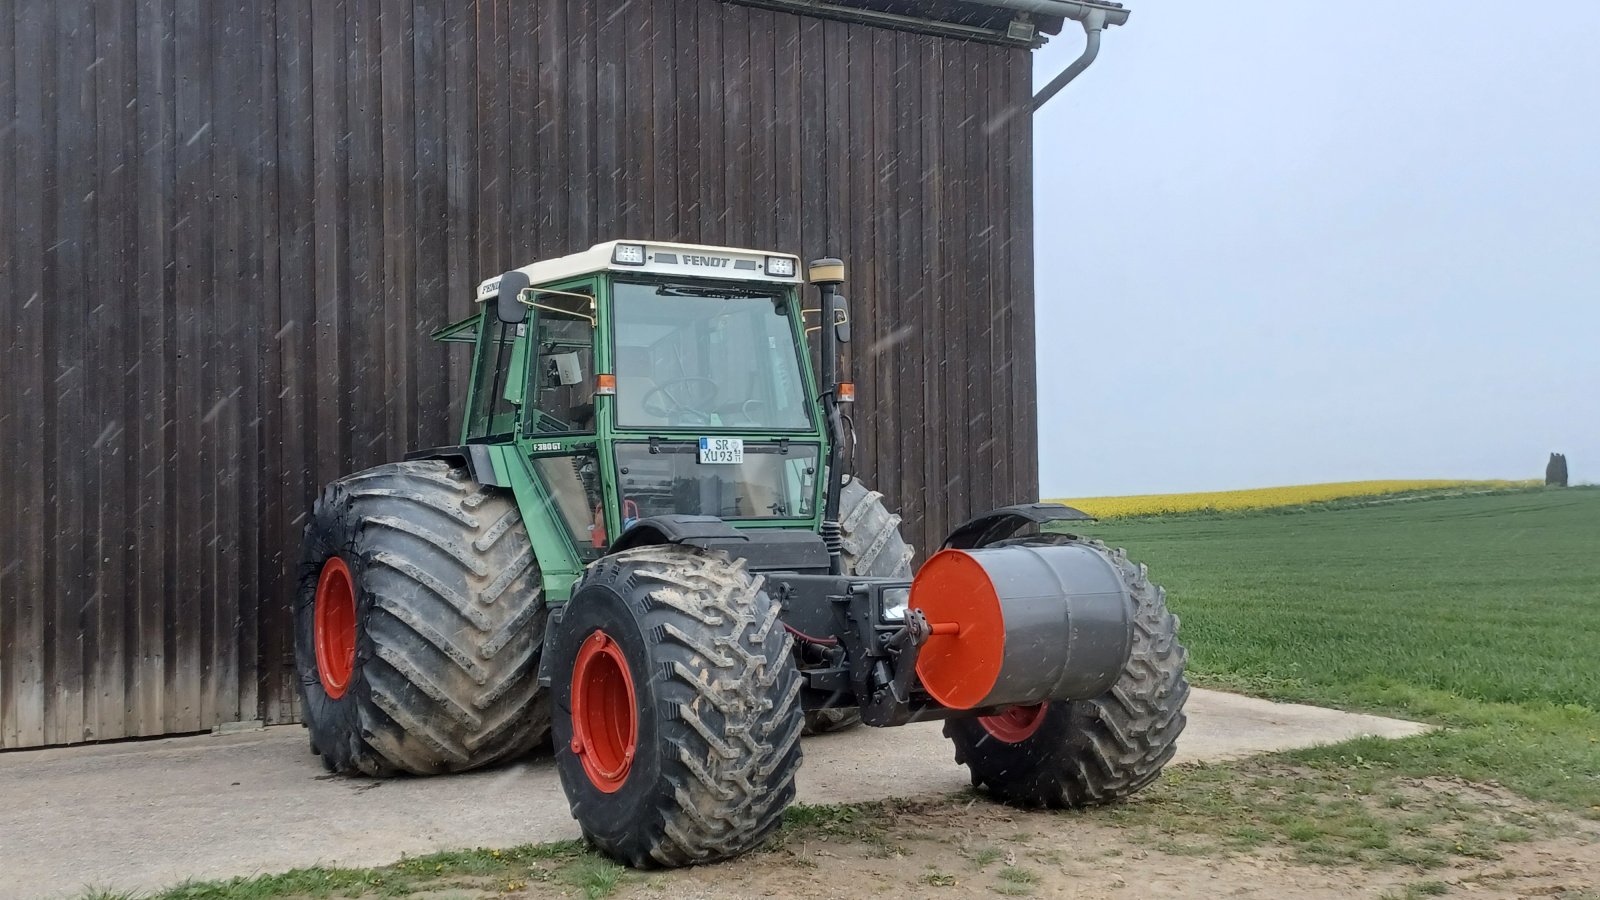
(1095, 17)
(1017, 36)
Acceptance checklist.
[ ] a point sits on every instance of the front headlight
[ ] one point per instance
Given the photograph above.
(895, 603)
(628, 255)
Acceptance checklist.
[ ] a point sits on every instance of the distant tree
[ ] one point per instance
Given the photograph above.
(1555, 471)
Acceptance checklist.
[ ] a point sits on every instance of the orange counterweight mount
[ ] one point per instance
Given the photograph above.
(1021, 624)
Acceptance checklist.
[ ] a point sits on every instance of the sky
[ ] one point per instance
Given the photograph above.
(1292, 242)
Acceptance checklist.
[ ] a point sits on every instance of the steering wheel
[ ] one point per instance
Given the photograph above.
(656, 401)
(745, 412)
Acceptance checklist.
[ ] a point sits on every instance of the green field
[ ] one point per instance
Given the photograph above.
(1481, 613)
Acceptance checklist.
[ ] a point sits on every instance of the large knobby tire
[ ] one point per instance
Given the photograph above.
(873, 546)
(1089, 752)
(700, 765)
(432, 620)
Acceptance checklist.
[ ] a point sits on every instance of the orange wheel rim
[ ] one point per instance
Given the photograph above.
(1014, 724)
(334, 627)
(605, 720)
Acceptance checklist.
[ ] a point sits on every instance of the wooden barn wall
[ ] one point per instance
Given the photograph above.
(227, 229)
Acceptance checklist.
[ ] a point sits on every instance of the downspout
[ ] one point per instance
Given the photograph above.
(1093, 24)
(1095, 17)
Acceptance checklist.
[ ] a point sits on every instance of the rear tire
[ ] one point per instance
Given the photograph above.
(873, 546)
(429, 664)
(701, 764)
(1088, 752)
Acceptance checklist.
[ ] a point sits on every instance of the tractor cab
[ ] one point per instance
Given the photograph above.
(679, 370)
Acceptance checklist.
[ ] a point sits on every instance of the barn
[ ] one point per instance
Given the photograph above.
(226, 231)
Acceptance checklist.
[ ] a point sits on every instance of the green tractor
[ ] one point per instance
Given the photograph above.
(647, 551)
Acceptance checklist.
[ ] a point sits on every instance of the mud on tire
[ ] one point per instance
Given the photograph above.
(1089, 752)
(873, 546)
(449, 624)
(716, 716)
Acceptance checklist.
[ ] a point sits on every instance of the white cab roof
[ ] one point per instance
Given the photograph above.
(731, 263)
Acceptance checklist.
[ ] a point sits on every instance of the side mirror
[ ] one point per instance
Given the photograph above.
(508, 303)
(841, 319)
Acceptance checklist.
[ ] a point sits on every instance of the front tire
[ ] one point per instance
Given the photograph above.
(418, 624)
(1088, 752)
(677, 726)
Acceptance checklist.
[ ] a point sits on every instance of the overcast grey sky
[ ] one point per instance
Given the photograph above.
(1288, 242)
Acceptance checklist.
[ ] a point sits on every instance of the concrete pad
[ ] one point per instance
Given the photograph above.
(148, 814)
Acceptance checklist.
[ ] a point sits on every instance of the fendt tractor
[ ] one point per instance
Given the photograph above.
(646, 549)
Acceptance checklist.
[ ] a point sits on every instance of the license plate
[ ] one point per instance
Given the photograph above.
(722, 451)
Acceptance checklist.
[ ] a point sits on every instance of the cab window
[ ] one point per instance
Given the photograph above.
(561, 378)
(497, 378)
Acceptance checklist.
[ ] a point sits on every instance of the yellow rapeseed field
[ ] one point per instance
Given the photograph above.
(1266, 498)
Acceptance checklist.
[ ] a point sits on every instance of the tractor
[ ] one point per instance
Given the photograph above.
(646, 550)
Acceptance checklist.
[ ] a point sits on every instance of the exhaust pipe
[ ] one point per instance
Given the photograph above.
(1021, 625)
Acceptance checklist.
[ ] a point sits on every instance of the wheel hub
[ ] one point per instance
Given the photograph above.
(605, 720)
(334, 627)
(1014, 724)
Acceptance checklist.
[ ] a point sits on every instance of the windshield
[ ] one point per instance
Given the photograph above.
(695, 356)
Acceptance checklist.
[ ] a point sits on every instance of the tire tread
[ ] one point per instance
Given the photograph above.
(454, 624)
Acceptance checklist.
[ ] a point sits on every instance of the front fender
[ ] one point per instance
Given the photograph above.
(999, 524)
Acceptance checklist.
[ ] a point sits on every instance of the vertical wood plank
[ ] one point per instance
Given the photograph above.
(782, 160)
(371, 387)
(397, 104)
(493, 232)
(610, 124)
(13, 375)
(683, 99)
(115, 309)
(331, 441)
(890, 286)
(580, 133)
(227, 305)
(1024, 374)
(298, 332)
(758, 210)
(26, 688)
(252, 163)
(430, 211)
(150, 389)
(277, 536)
(706, 121)
(665, 214)
(734, 143)
(868, 295)
(950, 286)
(68, 188)
(460, 75)
(193, 241)
(940, 349)
(639, 165)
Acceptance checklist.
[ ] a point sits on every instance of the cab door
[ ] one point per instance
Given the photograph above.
(559, 431)
(499, 378)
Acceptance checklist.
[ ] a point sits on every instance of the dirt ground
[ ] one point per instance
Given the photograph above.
(963, 848)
